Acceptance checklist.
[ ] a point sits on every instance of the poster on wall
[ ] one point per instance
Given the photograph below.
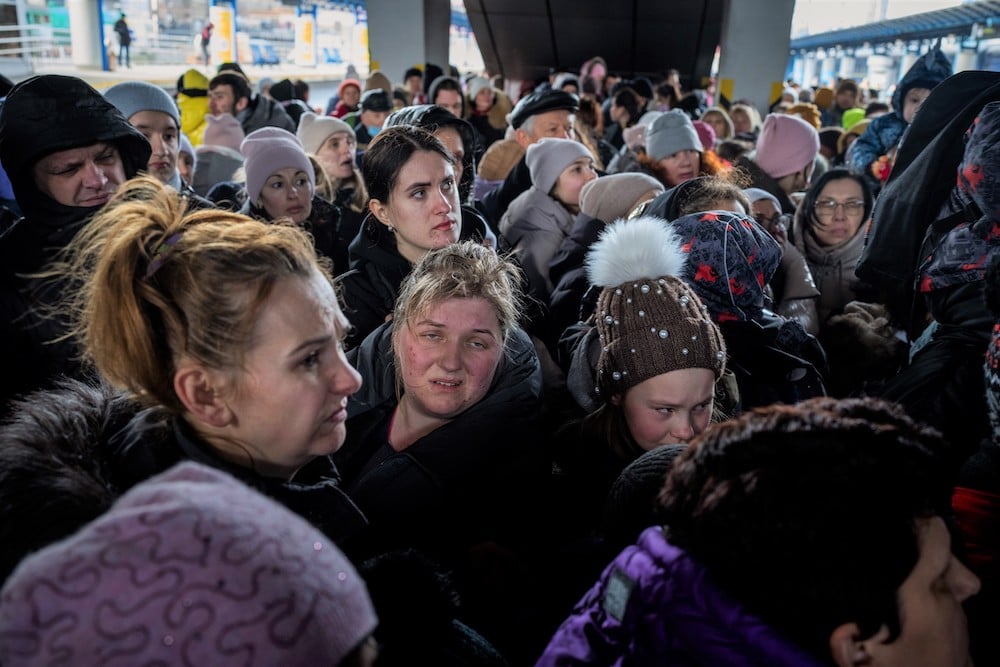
(222, 14)
(306, 44)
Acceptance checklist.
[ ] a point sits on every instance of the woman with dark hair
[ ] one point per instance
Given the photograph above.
(828, 232)
(625, 112)
(414, 207)
(456, 134)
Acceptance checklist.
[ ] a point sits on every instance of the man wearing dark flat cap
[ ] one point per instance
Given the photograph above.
(537, 116)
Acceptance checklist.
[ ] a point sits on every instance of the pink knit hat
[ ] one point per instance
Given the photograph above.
(191, 567)
(706, 133)
(223, 130)
(786, 145)
(268, 150)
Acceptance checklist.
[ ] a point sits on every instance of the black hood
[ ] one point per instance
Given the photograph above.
(50, 113)
(931, 69)
(430, 117)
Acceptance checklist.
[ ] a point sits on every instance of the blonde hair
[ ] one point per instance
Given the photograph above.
(159, 283)
(324, 184)
(327, 186)
(463, 270)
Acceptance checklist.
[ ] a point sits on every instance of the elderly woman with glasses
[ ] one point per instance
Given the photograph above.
(828, 231)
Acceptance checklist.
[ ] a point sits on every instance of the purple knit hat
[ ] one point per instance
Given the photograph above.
(189, 568)
(268, 150)
(730, 260)
(786, 145)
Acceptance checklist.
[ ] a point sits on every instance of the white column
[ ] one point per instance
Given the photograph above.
(799, 70)
(846, 67)
(828, 71)
(85, 33)
(809, 71)
(405, 34)
(965, 59)
(752, 67)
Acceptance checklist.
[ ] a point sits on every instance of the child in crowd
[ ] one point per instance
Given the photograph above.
(539, 219)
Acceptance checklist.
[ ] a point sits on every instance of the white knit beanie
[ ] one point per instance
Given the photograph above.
(314, 130)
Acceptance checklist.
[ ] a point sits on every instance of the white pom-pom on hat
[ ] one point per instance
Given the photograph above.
(627, 250)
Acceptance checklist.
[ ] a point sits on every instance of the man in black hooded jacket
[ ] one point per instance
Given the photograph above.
(66, 150)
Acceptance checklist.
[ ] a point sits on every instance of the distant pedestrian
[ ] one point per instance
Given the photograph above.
(206, 39)
(124, 41)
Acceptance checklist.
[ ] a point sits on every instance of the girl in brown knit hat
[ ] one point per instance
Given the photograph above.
(658, 357)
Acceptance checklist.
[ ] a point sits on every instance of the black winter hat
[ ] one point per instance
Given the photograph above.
(283, 91)
(50, 113)
(632, 505)
(536, 103)
(375, 100)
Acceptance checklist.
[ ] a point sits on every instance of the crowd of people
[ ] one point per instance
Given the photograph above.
(592, 372)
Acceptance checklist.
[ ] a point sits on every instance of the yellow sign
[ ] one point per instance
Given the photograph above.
(726, 87)
(777, 89)
(305, 40)
(223, 43)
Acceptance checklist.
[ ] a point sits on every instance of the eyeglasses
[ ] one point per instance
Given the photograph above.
(825, 208)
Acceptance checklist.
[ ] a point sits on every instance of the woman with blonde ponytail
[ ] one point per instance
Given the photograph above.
(228, 331)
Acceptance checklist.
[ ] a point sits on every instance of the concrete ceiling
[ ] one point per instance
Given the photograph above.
(521, 39)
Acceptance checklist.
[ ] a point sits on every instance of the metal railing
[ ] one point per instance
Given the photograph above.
(43, 44)
(34, 42)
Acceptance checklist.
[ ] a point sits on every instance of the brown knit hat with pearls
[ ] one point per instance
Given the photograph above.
(649, 321)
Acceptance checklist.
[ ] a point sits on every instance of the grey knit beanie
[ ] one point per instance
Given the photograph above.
(131, 97)
(649, 320)
(548, 158)
(671, 133)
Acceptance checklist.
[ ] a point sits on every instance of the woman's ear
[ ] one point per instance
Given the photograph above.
(380, 211)
(616, 399)
(199, 391)
(847, 648)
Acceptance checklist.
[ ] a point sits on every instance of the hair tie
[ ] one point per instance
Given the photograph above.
(161, 254)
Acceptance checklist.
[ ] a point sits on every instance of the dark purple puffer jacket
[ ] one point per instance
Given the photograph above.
(654, 605)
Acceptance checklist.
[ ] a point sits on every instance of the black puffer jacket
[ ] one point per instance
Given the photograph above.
(153, 442)
(41, 116)
(378, 270)
(452, 487)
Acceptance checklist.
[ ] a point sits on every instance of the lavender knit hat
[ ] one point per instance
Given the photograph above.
(786, 145)
(269, 149)
(189, 568)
